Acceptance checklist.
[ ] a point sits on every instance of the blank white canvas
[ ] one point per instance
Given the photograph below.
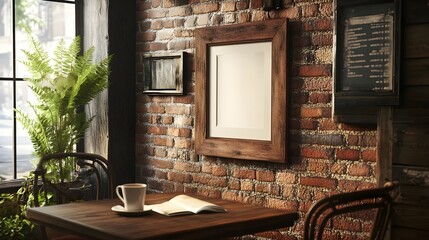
(240, 91)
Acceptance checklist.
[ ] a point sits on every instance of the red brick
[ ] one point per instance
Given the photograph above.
(156, 13)
(160, 152)
(317, 166)
(337, 168)
(265, 176)
(327, 125)
(242, 5)
(348, 154)
(318, 84)
(210, 180)
(178, 109)
(262, 187)
(155, 3)
(318, 182)
(164, 164)
(312, 152)
(286, 178)
(315, 112)
(359, 170)
(369, 155)
(167, 120)
(234, 184)
(160, 174)
(179, 132)
(246, 186)
(308, 124)
(318, 25)
(181, 11)
(187, 167)
(219, 171)
(243, 17)
(205, 8)
(351, 185)
(168, 3)
(290, 12)
(156, 130)
(315, 70)
(274, 189)
(270, 235)
(206, 168)
(182, 143)
(343, 224)
(310, 10)
(156, 46)
(232, 196)
(320, 97)
(304, 193)
(156, 25)
(288, 191)
(159, 99)
(322, 40)
(326, 9)
(254, 4)
(227, 7)
(244, 173)
(282, 204)
(163, 141)
(188, 99)
(179, 177)
(154, 108)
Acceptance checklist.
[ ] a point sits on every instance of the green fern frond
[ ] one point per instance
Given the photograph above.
(62, 86)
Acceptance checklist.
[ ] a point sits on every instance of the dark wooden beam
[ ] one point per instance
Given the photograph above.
(121, 91)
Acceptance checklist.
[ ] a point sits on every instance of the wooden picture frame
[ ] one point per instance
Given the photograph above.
(163, 73)
(223, 89)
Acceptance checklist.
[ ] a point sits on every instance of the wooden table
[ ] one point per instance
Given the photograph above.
(95, 219)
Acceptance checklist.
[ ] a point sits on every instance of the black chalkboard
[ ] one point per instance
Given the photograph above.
(367, 48)
(367, 53)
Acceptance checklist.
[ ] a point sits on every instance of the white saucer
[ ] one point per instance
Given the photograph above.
(121, 210)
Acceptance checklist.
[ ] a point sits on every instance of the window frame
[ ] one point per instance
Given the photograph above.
(15, 182)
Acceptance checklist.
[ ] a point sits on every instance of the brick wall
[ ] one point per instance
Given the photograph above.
(325, 157)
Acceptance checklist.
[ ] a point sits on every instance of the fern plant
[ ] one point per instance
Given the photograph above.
(62, 85)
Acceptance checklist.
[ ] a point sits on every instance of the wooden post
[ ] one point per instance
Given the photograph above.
(384, 145)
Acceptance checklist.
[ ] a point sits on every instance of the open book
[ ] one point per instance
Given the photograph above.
(183, 204)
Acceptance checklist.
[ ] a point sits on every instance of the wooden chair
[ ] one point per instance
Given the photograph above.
(92, 180)
(378, 199)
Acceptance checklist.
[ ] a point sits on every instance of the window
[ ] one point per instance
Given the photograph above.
(49, 21)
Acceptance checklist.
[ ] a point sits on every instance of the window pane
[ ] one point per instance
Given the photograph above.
(49, 23)
(24, 146)
(6, 41)
(6, 131)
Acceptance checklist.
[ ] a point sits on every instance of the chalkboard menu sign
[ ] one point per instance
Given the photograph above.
(367, 52)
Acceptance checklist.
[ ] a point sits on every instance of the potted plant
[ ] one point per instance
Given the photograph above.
(63, 83)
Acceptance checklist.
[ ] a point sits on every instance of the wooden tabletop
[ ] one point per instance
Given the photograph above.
(95, 219)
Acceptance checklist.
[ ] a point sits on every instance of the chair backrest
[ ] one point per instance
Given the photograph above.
(92, 178)
(378, 199)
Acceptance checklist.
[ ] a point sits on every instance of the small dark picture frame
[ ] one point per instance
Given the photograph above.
(163, 73)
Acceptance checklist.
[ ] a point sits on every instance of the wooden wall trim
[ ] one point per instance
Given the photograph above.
(385, 145)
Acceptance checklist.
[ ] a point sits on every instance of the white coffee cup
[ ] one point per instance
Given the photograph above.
(132, 195)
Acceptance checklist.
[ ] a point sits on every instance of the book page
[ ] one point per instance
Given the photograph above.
(183, 204)
(195, 205)
(169, 209)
